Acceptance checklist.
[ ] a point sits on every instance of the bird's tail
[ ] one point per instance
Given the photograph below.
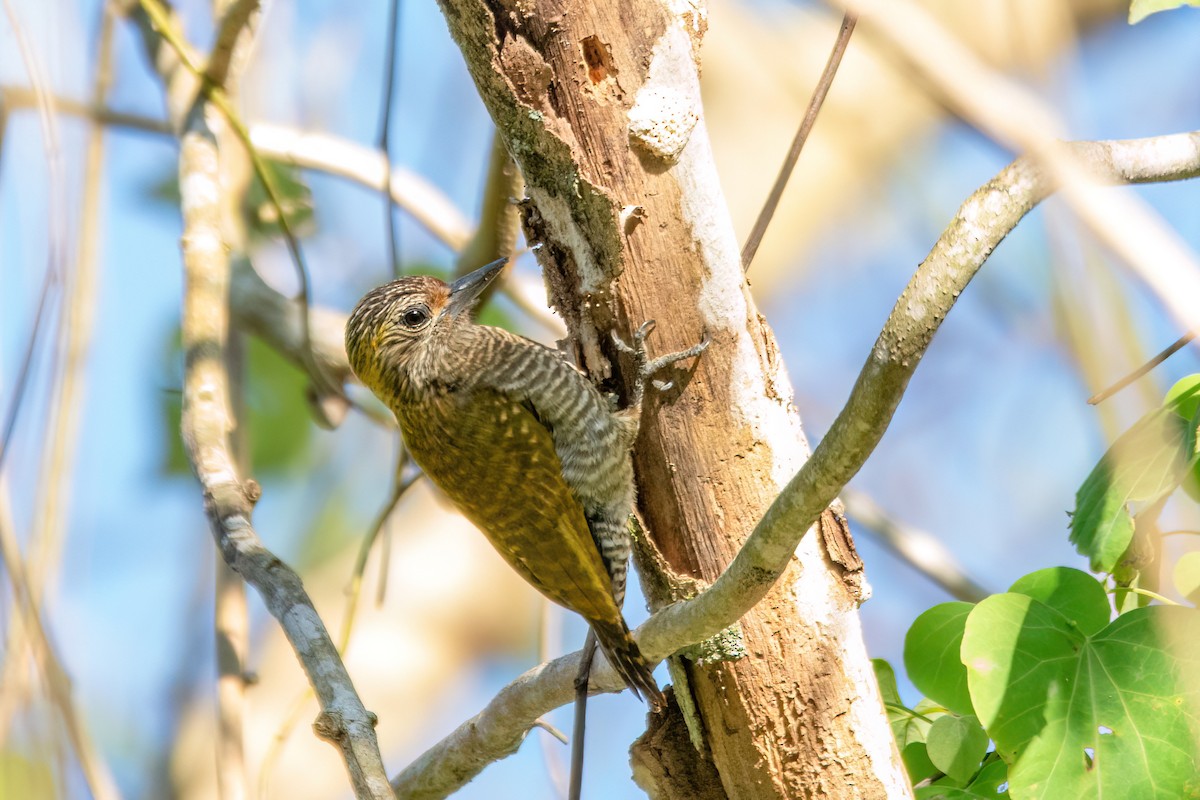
(622, 652)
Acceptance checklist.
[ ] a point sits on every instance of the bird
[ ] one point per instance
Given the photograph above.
(520, 441)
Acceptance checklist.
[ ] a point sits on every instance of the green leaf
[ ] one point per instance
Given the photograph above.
(957, 745)
(281, 426)
(907, 727)
(1071, 592)
(1144, 465)
(989, 780)
(916, 761)
(1114, 715)
(885, 676)
(1124, 598)
(1186, 576)
(1140, 9)
(941, 791)
(985, 786)
(1184, 399)
(935, 792)
(931, 656)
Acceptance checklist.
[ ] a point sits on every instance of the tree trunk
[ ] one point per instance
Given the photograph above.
(600, 106)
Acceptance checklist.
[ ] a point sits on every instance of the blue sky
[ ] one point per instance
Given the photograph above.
(985, 452)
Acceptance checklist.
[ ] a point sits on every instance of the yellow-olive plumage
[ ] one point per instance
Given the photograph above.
(522, 443)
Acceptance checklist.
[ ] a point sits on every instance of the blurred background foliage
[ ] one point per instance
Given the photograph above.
(986, 451)
(277, 421)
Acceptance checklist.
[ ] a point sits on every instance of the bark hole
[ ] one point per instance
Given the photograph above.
(598, 57)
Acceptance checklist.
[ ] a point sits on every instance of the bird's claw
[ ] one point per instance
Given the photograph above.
(649, 368)
(646, 367)
(638, 348)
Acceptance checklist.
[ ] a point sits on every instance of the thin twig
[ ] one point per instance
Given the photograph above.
(919, 549)
(345, 159)
(578, 737)
(323, 152)
(236, 28)
(22, 382)
(1166, 353)
(1015, 117)
(1077, 262)
(341, 158)
(979, 226)
(908, 712)
(54, 212)
(366, 166)
(165, 27)
(550, 729)
(1147, 593)
(64, 404)
(266, 767)
(18, 97)
(793, 155)
(75, 333)
(406, 474)
(58, 684)
(237, 17)
(276, 319)
(499, 222)
(180, 86)
(981, 223)
(549, 643)
(229, 501)
(11, 668)
(384, 140)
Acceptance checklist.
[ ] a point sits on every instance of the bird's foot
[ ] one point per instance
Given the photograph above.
(647, 367)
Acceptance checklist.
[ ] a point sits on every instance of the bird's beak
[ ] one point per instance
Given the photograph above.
(466, 290)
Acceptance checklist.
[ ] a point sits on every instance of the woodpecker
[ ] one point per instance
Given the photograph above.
(519, 440)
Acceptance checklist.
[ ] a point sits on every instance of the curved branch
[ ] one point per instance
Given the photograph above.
(981, 223)
(499, 222)
(1015, 117)
(276, 319)
(368, 167)
(237, 17)
(322, 152)
(228, 500)
(921, 550)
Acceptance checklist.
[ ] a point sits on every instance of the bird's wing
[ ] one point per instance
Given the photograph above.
(493, 457)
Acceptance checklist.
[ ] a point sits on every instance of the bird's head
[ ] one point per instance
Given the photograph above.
(398, 326)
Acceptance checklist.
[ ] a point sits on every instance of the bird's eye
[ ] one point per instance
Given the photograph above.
(416, 316)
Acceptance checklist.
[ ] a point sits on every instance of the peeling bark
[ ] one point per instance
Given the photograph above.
(666, 765)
